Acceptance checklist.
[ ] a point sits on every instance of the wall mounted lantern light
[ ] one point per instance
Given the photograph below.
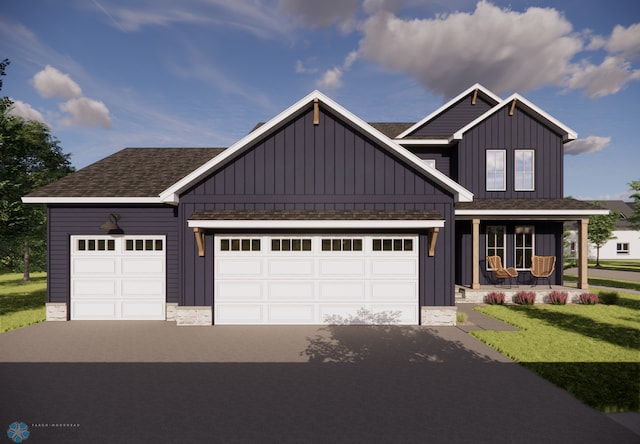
(111, 225)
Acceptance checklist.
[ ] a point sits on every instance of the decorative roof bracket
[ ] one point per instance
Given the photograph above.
(199, 234)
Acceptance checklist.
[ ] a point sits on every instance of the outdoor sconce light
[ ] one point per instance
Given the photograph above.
(111, 225)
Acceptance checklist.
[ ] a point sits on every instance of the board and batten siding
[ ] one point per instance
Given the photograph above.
(548, 242)
(453, 118)
(66, 221)
(520, 131)
(329, 166)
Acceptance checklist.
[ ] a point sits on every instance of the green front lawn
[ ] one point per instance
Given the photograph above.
(21, 303)
(593, 352)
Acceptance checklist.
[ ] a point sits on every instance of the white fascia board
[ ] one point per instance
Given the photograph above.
(531, 213)
(317, 224)
(422, 142)
(93, 200)
(170, 195)
(449, 104)
(568, 135)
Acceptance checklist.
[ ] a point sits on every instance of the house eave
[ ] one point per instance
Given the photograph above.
(92, 200)
(528, 214)
(317, 224)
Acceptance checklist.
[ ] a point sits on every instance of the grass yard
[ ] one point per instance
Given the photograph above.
(21, 303)
(591, 351)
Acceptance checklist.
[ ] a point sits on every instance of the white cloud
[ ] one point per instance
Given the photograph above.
(86, 112)
(321, 13)
(26, 111)
(502, 49)
(589, 144)
(602, 80)
(625, 40)
(373, 6)
(302, 68)
(332, 79)
(52, 83)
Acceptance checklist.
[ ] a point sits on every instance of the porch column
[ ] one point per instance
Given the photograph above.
(583, 254)
(475, 254)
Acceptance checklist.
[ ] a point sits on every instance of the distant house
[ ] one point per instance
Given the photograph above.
(314, 215)
(626, 244)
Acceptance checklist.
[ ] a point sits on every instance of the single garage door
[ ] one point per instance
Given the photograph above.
(315, 279)
(118, 277)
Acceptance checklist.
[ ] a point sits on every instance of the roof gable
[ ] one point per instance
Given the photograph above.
(520, 102)
(472, 92)
(172, 193)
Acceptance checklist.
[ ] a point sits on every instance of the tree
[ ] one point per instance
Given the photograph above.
(601, 228)
(30, 157)
(635, 218)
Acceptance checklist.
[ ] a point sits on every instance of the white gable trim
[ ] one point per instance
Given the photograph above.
(568, 133)
(171, 194)
(449, 104)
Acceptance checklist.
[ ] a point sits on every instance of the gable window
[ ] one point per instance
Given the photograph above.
(430, 162)
(622, 248)
(524, 170)
(496, 172)
(524, 247)
(496, 242)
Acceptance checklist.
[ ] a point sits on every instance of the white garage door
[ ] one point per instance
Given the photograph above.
(118, 277)
(315, 279)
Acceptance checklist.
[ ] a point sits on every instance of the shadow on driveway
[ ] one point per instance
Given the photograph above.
(346, 384)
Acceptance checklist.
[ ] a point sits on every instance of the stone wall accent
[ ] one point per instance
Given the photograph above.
(542, 294)
(56, 311)
(194, 316)
(171, 309)
(438, 316)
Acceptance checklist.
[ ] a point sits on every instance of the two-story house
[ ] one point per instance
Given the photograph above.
(313, 216)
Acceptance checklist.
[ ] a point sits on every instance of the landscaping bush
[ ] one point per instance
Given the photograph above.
(525, 297)
(589, 298)
(495, 298)
(608, 297)
(558, 297)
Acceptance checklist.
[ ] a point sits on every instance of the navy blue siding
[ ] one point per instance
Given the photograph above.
(520, 131)
(548, 242)
(325, 167)
(442, 156)
(453, 118)
(66, 221)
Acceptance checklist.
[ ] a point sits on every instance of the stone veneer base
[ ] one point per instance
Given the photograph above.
(171, 309)
(56, 311)
(194, 316)
(438, 316)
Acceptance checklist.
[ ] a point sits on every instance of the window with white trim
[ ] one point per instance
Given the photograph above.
(393, 244)
(496, 172)
(239, 244)
(622, 248)
(347, 244)
(524, 170)
(496, 241)
(524, 247)
(288, 244)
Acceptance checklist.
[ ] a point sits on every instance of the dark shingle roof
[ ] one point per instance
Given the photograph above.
(316, 215)
(527, 204)
(131, 172)
(624, 208)
(389, 129)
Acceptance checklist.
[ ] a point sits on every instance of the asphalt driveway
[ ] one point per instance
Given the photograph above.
(138, 382)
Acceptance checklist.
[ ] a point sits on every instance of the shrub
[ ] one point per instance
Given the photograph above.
(525, 297)
(495, 298)
(461, 317)
(589, 298)
(558, 297)
(608, 297)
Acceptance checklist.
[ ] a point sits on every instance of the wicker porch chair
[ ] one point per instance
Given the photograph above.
(542, 267)
(501, 273)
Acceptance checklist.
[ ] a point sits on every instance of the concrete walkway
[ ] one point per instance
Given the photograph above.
(608, 274)
(140, 382)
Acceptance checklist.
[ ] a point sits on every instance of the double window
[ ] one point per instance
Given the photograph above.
(523, 171)
(622, 248)
(523, 242)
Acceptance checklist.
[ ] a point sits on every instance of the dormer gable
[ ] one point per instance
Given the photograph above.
(453, 115)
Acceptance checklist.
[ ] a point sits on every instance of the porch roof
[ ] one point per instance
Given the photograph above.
(556, 209)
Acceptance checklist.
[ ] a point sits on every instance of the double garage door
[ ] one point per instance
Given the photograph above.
(316, 279)
(118, 277)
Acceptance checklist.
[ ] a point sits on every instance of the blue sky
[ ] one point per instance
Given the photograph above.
(109, 74)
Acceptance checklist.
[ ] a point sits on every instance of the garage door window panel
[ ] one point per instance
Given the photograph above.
(342, 244)
(393, 244)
